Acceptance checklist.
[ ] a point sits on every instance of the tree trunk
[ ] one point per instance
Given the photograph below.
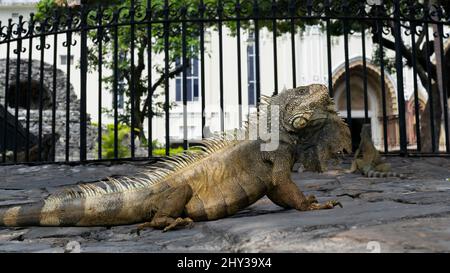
(425, 122)
(139, 117)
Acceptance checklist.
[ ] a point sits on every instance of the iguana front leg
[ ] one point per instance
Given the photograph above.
(168, 216)
(286, 194)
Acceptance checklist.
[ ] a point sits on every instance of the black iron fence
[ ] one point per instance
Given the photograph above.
(131, 50)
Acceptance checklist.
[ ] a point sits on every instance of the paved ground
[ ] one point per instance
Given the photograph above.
(379, 214)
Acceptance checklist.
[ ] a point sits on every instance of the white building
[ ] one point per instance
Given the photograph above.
(311, 67)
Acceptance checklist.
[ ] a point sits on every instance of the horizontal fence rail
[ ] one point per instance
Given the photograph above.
(107, 82)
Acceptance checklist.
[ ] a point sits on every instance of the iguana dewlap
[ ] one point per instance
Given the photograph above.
(223, 178)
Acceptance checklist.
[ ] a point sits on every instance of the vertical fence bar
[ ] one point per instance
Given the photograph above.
(329, 61)
(116, 82)
(292, 7)
(42, 48)
(383, 83)
(222, 113)
(100, 79)
(166, 74)
(83, 81)
(68, 63)
(149, 79)
(416, 88)
(55, 58)
(28, 93)
(347, 76)
(257, 61)
(8, 48)
(364, 61)
(275, 51)
(132, 85)
(444, 88)
(185, 70)
(18, 51)
(202, 64)
(399, 72)
(430, 89)
(239, 56)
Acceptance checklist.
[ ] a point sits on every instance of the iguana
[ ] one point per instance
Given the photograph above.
(367, 159)
(226, 176)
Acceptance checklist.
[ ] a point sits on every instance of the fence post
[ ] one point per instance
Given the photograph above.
(399, 72)
(83, 81)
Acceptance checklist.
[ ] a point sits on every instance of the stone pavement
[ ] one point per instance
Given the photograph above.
(379, 214)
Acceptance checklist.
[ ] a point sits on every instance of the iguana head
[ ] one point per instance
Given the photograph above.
(309, 113)
(303, 106)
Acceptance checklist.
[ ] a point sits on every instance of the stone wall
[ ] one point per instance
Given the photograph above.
(60, 128)
(60, 118)
(35, 76)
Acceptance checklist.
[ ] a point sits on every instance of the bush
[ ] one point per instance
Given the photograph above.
(123, 132)
(124, 151)
(162, 151)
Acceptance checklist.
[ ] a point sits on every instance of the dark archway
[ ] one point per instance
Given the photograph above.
(29, 91)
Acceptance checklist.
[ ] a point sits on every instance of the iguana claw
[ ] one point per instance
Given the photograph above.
(327, 205)
(335, 203)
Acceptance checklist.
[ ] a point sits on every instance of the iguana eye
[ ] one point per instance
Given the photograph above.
(299, 122)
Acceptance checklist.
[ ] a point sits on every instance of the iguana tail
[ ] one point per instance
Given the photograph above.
(21, 215)
(371, 173)
(92, 207)
(115, 201)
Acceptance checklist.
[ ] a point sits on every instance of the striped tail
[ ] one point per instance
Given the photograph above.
(103, 210)
(90, 208)
(371, 173)
(21, 215)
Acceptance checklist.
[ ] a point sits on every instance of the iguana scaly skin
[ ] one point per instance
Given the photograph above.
(226, 176)
(367, 159)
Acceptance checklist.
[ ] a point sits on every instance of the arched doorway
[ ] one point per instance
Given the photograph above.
(374, 97)
(411, 124)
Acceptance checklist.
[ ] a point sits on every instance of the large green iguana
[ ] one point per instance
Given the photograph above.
(224, 177)
(367, 159)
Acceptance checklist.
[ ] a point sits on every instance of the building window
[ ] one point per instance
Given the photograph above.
(251, 69)
(63, 59)
(192, 81)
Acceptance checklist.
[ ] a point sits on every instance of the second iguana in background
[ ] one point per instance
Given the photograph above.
(223, 178)
(367, 160)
